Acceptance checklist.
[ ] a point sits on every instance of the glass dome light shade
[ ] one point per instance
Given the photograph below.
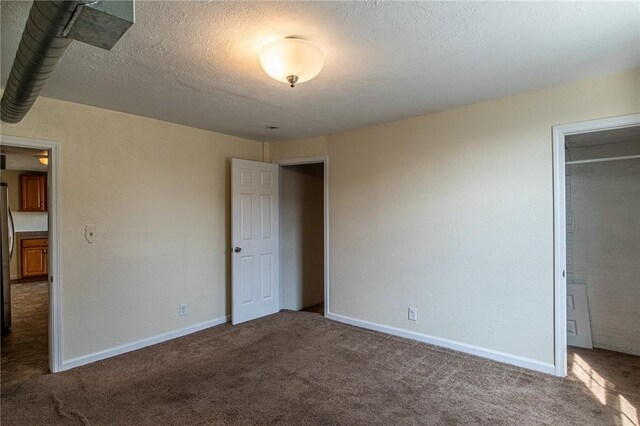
(291, 57)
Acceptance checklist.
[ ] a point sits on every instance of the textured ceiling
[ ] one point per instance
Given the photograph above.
(196, 63)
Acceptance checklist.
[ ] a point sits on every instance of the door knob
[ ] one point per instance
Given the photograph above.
(237, 249)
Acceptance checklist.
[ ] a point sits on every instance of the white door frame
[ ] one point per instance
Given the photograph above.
(324, 159)
(559, 223)
(53, 211)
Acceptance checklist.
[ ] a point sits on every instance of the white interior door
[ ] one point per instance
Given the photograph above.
(578, 321)
(255, 275)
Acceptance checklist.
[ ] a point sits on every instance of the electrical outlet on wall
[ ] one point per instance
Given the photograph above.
(183, 310)
(413, 314)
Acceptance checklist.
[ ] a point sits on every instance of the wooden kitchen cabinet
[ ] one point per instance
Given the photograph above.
(34, 257)
(33, 193)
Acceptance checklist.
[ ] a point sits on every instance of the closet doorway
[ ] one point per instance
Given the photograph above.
(303, 227)
(596, 174)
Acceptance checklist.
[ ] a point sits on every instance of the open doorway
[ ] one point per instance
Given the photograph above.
(25, 283)
(603, 230)
(30, 247)
(597, 230)
(303, 235)
(596, 200)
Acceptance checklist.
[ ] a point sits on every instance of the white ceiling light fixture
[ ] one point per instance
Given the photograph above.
(291, 60)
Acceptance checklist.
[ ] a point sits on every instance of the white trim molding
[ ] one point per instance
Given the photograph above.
(322, 159)
(516, 360)
(149, 341)
(560, 132)
(55, 247)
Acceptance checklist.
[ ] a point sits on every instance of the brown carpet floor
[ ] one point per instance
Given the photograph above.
(25, 349)
(300, 368)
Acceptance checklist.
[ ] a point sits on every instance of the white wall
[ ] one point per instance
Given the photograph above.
(453, 213)
(30, 221)
(158, 194)
(604, 248)
(302, 235)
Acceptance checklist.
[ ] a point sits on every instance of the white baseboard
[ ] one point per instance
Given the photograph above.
(516, 360)
(13, 277)
(118, 350)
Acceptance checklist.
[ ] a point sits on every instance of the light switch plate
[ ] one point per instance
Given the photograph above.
(90, 233)
(413, 314)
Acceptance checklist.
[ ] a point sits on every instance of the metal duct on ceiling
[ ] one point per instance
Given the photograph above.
(50, 28)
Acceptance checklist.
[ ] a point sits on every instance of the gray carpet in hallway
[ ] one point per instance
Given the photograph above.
(300, 368)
